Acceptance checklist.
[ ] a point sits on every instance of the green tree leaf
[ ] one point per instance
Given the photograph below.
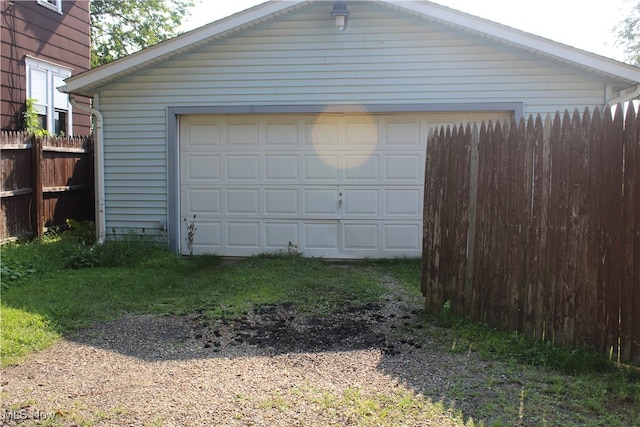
(122, 27)
(628, 35)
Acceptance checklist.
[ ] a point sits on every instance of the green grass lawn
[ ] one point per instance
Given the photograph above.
(53, 287)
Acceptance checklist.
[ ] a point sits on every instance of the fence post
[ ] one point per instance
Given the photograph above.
(37, 201)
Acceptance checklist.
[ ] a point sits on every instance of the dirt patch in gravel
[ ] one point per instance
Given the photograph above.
(268, 329)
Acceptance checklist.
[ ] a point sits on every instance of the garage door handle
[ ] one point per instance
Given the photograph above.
(340, 203)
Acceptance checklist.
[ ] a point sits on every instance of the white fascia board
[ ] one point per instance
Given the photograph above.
(85, 83)
(518, 39)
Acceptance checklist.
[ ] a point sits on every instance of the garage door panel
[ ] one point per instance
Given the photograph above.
(281, 167)
(403, 133)
(207, 239)
(321, 168)
(405, 237)
(361, 203)
(242, 168)
(320, 202)
(322, 133)
(403, 202)
(361, 134)
(243, 201)
(202, 167)
(362, 167)
(243, 235)
(320, 236)
(281, 201)
(202, 201)
(279, 135)
(358, 236)
(403, 167)
(202, 135)
(242, 135)
(279, 235)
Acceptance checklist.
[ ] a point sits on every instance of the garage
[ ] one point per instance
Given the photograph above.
(330, 185)
(273, 130)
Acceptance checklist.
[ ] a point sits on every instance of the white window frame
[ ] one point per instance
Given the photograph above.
(55, 5)
(54, 99)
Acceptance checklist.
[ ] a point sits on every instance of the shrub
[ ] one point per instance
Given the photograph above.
(83, 232)
(13, 272)
(83, 257)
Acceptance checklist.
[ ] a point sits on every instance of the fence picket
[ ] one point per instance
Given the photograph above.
(629, 199)
(461, 217)
(613, 219)
(479, 282)
(597, 255)
(635, 295)
(555, 294)
(447, 218)
(427, 222)
(470, 306)
(438, 250)
(545, 247)
(578, 185)
(427, 228)
(586, 272)
(533, 141)
(513, 187)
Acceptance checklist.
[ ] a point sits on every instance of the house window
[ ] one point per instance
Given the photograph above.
(52, 4)
(53, 107)
(60, 122)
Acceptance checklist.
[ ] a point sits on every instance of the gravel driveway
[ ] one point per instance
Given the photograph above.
(371, 365)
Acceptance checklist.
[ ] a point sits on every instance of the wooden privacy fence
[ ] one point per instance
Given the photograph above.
(44, 181)
(535, 227)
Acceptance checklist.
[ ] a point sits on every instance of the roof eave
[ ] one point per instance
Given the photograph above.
(518, 39)
(86, 83)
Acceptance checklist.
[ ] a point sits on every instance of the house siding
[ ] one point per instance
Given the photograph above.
(29, 28)
(384, 57)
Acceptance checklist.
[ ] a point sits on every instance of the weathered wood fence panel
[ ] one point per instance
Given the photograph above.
(535, 227)
(45, 181)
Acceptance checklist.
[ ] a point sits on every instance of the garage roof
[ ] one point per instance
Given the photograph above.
(88, 82)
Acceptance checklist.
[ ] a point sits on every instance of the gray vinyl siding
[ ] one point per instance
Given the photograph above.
(384, 57)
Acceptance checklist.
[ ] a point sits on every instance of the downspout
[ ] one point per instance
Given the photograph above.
(628, 94)
(99, 166)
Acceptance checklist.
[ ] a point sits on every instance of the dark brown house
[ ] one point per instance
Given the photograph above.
(42, 43)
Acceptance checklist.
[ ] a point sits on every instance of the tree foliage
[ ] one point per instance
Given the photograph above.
(629, 34)
(122, 27)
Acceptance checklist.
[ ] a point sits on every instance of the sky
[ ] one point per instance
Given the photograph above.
(585, 24)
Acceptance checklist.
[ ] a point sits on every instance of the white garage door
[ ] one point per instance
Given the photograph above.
(326, 185)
